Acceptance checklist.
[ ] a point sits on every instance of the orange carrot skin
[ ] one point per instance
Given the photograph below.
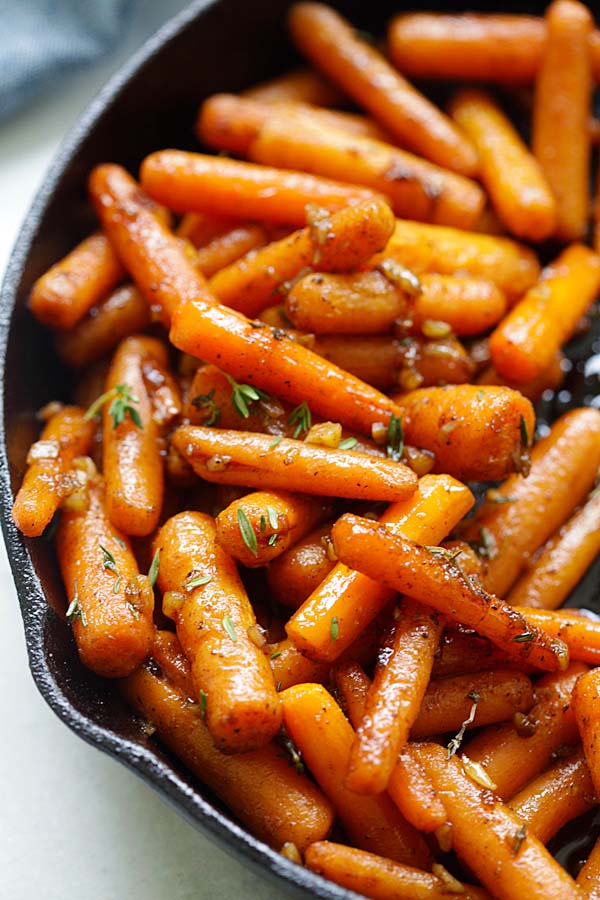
(407, 567)
(268, 360)
(46, 482)
(364, 74)
(290, 667)
(484, 829)
(526, 341)
(516, 184)
(579, 633)
(512, 758)
(563, 469)
(149, 251)
(548, 380)
(242, 706)
(202, 228)
(225, 249)
(114, 628)
(132, 462)
(277, 518)
(476, 433)
(296, 86)
(241, 457)
(585, 708)
(560, 131)
(324, 736)
(463, 652)
(379, 878)
(394, 698)
(469, 305)
(288, 806)
(71, 287)
(559, 795)
(197, 182)
(588, 880)
(294, 575)
(172, 661)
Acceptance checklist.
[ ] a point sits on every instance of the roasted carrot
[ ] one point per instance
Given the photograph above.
(294, 575)
(277, 520)
(149, 251)
(225, 249)
(255, 460)
(588, 880)
(462, 651)
(174, 665)
(580, 633)
(339, 242)
(585, 710)
(65, 293)
(110, 603)
(202, 228)
(518, 517)
(288, 806)
(469, 305)
(476, 433)
(513, 754)
(196, 182)
(352, 600)
(513, 177)
(562, 103)
(211, 401)
(323, 736)
(490, 838)
(290, 667)
(46, 481)
(298, 85)
(402, 565)
(548, 380)
(329, 41)
(528, 339)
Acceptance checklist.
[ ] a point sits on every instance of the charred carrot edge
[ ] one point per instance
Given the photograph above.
(513, 754)
(518, 517)
(287, 808)
(588, 880)
(585, 709)
(330, 42)
(294, 575)
(298, 85)
(65, 436)
(557, 796)
(560, 131)
(323, 736)
(226, 248)
(215, 623)
(110, 604)
(490, 838)
(352, 600)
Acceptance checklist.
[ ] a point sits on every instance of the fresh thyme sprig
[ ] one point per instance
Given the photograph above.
(122, 402)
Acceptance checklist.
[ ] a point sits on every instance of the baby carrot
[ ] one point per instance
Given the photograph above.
(110, 603)
(561, 111)
(294, 575)
(288, 806)
(585, 708)
(66, 435)
(174, 665)
(324, 736)
(588, 880)
(290, 667)
(214, 621)
(462, 651)
(296, 86)
(580, 633)
(214, 184)
(364, 74)
(351, 600)
(469, 305)
(528, 339)
(513, 177)
(65, 293)
(226, 248)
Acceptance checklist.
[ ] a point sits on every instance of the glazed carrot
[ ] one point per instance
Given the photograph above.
(152, 255)
(588, 880)
(210, 401)
(394, 698)
(132, 461)
(450, 251)
(362, 72)
(552, 575)
(290, 667)
(213, 184)
(174, 665)
(110, 603)
(489, 837)
(522, 514)
(255, 460)
(513, 177)
(462, 651)
(298, 85)
(548, 380)
(339, 242)
(514, 754)
(402, 565)
(528, 339)
(213, 617)
(65, 293)
(576, 628)
(585, 709)
(323, 736)
(561, 110)
(226, 248)
(469, 305)
(270, 361)
(294, 575)
(380, 878)
(120, 314)
(476, 433)
(202, 228)
(287, 807)
(46, 483)
(559, 795)
(277, 520)
(353, 600)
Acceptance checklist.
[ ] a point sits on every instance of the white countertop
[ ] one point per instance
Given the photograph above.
(76, 825)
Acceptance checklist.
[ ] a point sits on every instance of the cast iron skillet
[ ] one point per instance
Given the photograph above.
(215, 45)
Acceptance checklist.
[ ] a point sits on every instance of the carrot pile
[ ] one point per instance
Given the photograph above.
(289, 366)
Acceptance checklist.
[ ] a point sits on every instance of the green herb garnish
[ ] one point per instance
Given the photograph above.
(206, 403)
(273, 517)
(525, 638)
(197, 582)
(395, 439)
(334, 629)
(275, 441)
(518, 839)
(247, 531)
(121, 405)
(524, 432)
(109, 563)
(75, 611)
(276, 654)
(454, 745)
(154, 565)
(203, 699)
(348, 443)
(229, 627)
(301, 417)
(244, 395)
(448, 555)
